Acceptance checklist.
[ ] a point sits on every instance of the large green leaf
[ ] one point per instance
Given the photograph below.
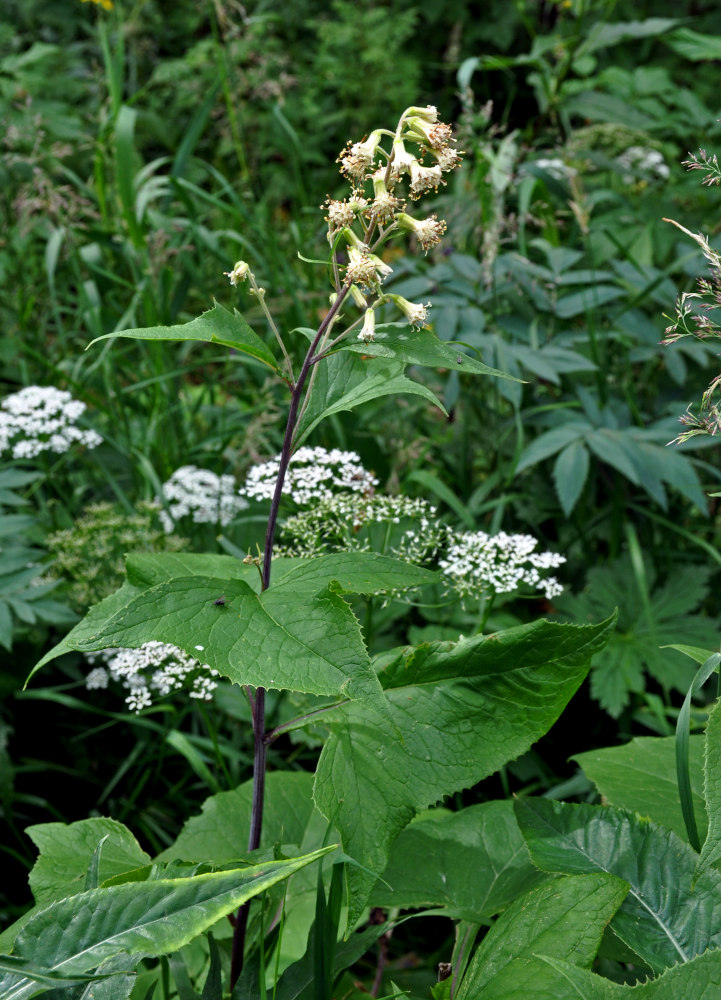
(79, 933)
(462, 711)
(474, 862)
(420, 347)
(666, 917)
(711, 850)
(641, 776)
(216, 326)
(66, 851)
(277, 639)
(299, 635)
(699, 979)
(565, 918)
(345, 380)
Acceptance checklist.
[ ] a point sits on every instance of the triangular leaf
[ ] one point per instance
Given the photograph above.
(216, 326)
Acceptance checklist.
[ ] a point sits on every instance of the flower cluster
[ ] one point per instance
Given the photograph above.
(477, 564)
(155, 667)
(313, 474)
(395, 525)
(42, 418)
(639, 159)
(421, 151)
(209, 498)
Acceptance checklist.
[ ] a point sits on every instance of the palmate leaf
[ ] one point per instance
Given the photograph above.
(667, 917)
(699, 979)
(641, 776)
(299, 635)
(637, 643)
(565, 918)
(216, 326)
(77, 934)
(462, 711)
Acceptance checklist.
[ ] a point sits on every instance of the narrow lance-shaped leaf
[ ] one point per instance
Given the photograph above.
(462, 710)
(420, 347)
(78, 933)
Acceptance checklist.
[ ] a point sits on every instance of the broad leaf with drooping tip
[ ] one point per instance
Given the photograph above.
(77, 934)
(216, 326)
(667, 917)
(565, 918)
(458, 712)
(699, 979)
(344, 381)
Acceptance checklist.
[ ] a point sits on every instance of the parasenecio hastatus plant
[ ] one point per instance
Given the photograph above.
(401, 730)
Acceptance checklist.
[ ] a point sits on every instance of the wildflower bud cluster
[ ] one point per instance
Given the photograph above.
(207, 497)
(41, 418)
(384, 170)
(156, 667)
(697, 313)
(314, 474)
(476, 564)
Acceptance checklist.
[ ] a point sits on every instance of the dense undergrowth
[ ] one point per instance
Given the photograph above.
(145, 149)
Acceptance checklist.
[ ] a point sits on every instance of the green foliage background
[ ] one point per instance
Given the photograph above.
(147, 147)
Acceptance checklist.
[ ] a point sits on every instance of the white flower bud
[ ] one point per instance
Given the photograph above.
(239, 273)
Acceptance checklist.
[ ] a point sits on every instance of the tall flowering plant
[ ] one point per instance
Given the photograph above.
(400, 730)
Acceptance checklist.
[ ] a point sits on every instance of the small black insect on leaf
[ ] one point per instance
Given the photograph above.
(220, 600)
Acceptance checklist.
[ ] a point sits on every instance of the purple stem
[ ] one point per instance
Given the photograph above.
(258, 704)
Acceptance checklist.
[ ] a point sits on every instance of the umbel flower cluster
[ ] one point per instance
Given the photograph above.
(384, 171)
(156, 667)
(314, 474)
(477, 564)
(42, 418)
(202, 495)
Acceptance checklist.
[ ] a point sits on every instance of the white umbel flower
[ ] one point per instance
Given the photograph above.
(478, 564)
(156, 667)
(201, 494)
(313, 474)
(42, 418)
